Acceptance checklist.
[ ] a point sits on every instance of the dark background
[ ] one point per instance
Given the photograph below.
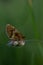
(29, 21)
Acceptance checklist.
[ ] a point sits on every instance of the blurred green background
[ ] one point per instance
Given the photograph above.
(27, 17)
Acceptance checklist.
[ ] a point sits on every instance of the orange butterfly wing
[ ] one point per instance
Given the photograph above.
(13, 33)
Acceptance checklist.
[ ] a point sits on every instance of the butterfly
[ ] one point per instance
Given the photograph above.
(15, 37)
